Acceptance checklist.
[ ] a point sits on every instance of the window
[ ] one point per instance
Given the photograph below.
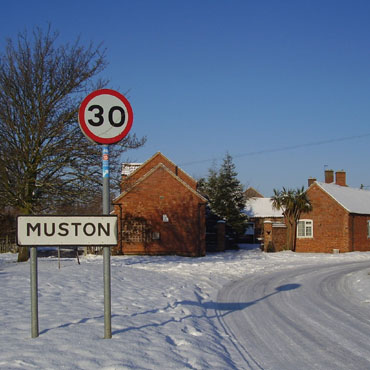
(368, 229)
(305, 229)
(249, 229)
(156, 235)
(135, 231)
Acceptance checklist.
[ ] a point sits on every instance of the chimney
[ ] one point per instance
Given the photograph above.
(311, 180)
(329, 176)
(340, 178)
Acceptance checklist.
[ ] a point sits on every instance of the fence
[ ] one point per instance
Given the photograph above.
(8, 245)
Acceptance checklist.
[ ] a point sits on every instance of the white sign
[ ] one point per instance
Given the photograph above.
(67, 230)
(105, 116)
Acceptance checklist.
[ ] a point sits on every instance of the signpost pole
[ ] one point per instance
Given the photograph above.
(105, 117)
(34, 298)
(106, 250)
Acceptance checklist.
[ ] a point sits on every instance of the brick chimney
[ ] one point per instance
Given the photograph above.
(340, 178)
(311, 180)
(329, 176)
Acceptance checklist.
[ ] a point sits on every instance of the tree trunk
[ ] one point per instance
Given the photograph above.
(23, 254)
(294, 236)
(290, 236)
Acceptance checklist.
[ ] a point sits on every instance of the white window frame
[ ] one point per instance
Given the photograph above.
(368, 229)
(307, 224)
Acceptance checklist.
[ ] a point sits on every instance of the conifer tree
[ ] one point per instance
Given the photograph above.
(225, 194)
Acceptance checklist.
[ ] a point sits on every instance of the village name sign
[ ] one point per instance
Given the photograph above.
(67, 230)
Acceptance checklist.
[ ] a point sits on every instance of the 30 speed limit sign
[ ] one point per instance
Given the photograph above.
(105, 116)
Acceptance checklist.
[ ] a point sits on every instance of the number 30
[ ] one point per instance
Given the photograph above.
(100, 119)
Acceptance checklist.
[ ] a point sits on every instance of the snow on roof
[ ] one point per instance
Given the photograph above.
(129, 168)
(261, 207)
(354, 200)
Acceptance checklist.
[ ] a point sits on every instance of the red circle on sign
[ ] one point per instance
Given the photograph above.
(88, 128)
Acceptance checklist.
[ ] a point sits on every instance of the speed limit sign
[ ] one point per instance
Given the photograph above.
(105, 116)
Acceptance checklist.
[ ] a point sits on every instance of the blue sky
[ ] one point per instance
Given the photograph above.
(283, 86)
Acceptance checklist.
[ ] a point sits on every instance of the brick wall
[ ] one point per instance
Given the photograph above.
(173, 212)
(358, 228)
(274, 236)
(279, 236)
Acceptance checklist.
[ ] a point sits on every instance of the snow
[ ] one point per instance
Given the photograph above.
(352, 199)
(129, 168)
(300, 318)
(261, 207)
(164, 309)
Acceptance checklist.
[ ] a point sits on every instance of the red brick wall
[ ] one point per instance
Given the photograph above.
(331, 226)
(162, 194)
(359, 232)
(276, 234)
(267, 234)
(154, 161)
(279, 237)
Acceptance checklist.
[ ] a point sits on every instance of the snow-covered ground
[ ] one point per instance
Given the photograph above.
(164, 309)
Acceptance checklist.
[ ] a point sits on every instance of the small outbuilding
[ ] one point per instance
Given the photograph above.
(160, 210)
(264, 222)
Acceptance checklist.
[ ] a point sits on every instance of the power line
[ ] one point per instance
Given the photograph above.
(282, 149)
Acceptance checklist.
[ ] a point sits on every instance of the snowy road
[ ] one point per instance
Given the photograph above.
(300, 318)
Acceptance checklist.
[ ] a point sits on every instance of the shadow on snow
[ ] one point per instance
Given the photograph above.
(221, 309)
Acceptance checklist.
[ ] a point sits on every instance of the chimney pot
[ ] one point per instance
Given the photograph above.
(340, 178)
(329, 176)
(311, 180)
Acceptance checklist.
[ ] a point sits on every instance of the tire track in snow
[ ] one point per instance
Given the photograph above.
(302, 318)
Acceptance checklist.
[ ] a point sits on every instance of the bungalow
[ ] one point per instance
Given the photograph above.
(159, 210)
(339, 220)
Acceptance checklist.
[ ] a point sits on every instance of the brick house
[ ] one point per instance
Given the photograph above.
(160, 211)
(339, 220)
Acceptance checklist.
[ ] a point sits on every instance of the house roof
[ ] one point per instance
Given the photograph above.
(352, 199)
(129, 168)
(136, 167)
(149, 173)
(261, 207)
(252, 193)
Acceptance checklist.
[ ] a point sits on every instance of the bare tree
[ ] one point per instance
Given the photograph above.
(45, 160)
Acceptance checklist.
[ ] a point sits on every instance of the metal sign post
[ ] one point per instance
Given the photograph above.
(106, 250)
(105, 117)
(34, 298)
